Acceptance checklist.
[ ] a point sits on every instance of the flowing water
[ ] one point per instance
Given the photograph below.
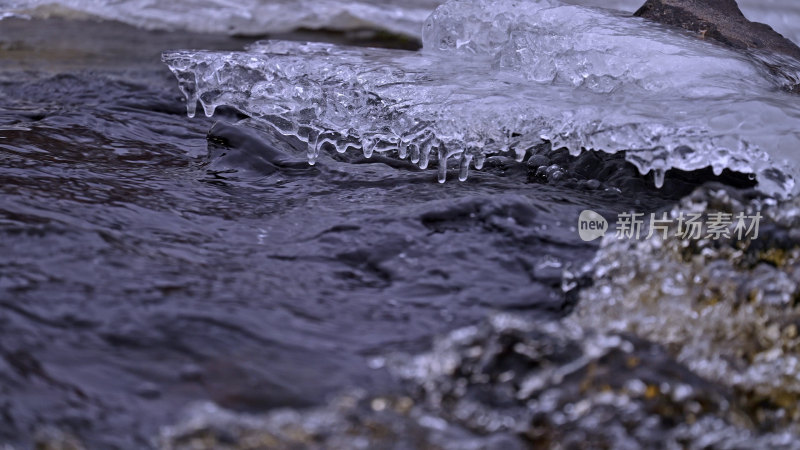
(150, 261)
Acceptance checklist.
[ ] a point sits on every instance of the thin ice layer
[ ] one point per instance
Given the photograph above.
(240, 17)
(505, 75)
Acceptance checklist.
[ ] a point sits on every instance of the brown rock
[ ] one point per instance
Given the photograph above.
(721, 20)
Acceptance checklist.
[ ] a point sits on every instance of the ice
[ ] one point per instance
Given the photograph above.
(239, 17)
(503, 75)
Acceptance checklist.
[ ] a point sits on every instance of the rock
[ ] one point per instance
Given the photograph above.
(727, 307)
(723, 21)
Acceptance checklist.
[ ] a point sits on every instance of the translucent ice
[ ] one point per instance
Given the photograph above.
(504, 75)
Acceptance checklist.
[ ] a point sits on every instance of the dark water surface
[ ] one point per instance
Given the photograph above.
(144, 266)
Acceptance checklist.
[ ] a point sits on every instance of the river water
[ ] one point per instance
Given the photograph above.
(150, 261)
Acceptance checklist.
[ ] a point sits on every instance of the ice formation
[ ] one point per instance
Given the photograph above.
(239, 17)
(503, 75)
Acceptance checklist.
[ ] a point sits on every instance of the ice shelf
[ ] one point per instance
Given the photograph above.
(500, 76)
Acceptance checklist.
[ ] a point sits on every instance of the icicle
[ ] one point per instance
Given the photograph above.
(208, 109)
(463, 170)
(191, 104)
(313, 146)
(414, 150)
(402, 150)
(367, 146)
(658, 176)
(425, 156)
(442, 164)
(479, 160)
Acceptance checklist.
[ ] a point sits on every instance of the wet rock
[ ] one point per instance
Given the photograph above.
(560, 385)
(727, 308)
(723, 21)
(506, 383)
(247, 151)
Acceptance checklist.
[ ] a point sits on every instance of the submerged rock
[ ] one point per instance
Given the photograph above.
(507, 383)
(723, 21)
